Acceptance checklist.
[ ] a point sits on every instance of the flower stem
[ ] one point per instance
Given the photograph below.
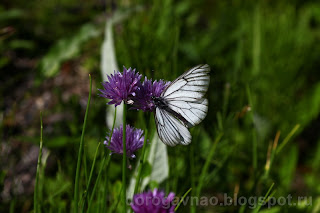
(192, 174)
(124, 161)
(76, 185)
(142, 162)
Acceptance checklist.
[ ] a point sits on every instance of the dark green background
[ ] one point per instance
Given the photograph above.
(264, 56)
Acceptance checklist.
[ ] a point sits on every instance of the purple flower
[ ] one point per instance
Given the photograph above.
(147, 90)
(121, 86)
(153, 202)
(133, 143)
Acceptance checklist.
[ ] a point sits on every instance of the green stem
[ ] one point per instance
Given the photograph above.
(185, 194)
(36, 191)
(86, 198)
(142, 161)
(104, 164)
(192, 173)
(264, 199)
(143, 158)
(124, 160)
(76, 186)
(84, 160)
(12, 206)
(287, 138)
(256, 45)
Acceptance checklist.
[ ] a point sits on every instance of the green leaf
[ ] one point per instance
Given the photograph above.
(65, 49)
(107, 66)
(158, 158)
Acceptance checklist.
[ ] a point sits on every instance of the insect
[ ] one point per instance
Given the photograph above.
(182, 105)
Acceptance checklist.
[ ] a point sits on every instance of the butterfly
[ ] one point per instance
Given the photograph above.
(182, 105)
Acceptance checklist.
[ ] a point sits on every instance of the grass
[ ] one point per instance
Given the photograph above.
(80, 154)
(36, 199)
(124, 161)
(260, 134)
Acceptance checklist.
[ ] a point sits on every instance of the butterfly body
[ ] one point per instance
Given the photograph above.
(160, 103)
(182, 105)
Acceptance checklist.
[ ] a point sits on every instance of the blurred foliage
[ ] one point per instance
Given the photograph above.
(264, 58)
(66, 49)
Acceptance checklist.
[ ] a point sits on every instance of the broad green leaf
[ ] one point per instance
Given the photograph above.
(108, 66)
(65, 49)
(109, 63)
(158, 158)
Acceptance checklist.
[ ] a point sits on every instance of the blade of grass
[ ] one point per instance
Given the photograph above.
(124, 160)
(93, 164)
(271, 152)
(192, 170)
(264, 199)
(207, 163)
(36, 190)
(62, 189)
(84, 161)
(185, 194)
(76, 186)
(137, 180)
(143, 156)
(256, 46)
(90, 177)
(104, 164)
(106, 179)
(115, 205)
(12, 206)
(287, 138)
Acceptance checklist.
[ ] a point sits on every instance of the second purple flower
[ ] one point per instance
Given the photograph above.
(145, 92)
(121, 86)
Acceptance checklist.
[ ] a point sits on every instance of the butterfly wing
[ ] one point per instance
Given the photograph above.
(171, 130)
(185, 95)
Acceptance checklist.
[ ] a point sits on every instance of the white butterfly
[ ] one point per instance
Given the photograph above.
(182, 105)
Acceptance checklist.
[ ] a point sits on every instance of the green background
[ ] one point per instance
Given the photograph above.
(264, 92)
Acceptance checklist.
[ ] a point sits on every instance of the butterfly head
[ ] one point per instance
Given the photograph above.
(159, 102)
